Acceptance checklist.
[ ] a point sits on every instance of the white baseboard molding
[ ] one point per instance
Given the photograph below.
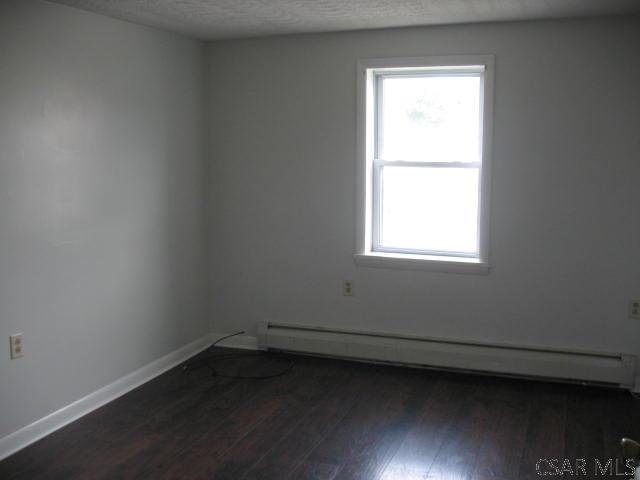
(244, 342)
(40, 428)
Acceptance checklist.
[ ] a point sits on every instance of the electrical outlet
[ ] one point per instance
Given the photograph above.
(347, 288)
(634, 308)
(16, 346)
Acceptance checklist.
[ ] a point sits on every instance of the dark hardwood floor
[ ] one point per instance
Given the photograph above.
(330, 419)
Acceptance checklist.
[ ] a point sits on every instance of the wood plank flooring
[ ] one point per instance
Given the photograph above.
(331, 419)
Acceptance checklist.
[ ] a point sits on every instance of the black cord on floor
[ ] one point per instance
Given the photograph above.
(207, 362)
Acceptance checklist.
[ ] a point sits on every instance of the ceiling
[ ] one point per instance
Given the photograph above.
(218, 19)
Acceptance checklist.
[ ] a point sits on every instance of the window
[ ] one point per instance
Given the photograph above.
(424, 133)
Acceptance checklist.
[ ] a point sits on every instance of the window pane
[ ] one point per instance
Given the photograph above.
(429, 208)
(433, 119)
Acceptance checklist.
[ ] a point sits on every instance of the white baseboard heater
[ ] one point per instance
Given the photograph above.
(566, 365)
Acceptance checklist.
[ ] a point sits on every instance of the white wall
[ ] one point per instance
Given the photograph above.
(565, 226)
(103, 203)
(104, 193)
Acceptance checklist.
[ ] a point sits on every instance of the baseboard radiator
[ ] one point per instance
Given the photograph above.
(565, 365)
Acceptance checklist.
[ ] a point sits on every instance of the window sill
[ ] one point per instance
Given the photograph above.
(421, 262)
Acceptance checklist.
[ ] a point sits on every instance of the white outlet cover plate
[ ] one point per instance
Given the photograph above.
(17, 350)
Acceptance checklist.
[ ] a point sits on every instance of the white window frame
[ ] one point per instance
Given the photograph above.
(368, 251)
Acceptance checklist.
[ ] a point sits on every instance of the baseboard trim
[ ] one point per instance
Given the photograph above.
(41, 428)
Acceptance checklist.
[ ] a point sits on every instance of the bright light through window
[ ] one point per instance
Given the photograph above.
(425, 130)
(433, 119)
(424, 119)
(430, 209)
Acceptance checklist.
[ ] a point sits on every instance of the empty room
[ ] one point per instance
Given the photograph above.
(320, 239)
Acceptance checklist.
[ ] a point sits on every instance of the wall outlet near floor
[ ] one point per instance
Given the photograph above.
(347, 288)
(16, 346)
(634, 308)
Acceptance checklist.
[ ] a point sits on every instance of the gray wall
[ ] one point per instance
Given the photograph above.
(565, 224)
(103, 202)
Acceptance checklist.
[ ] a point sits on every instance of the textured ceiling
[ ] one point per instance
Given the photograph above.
(216, 19)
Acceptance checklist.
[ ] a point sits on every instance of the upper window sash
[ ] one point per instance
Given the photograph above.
(378, 115)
